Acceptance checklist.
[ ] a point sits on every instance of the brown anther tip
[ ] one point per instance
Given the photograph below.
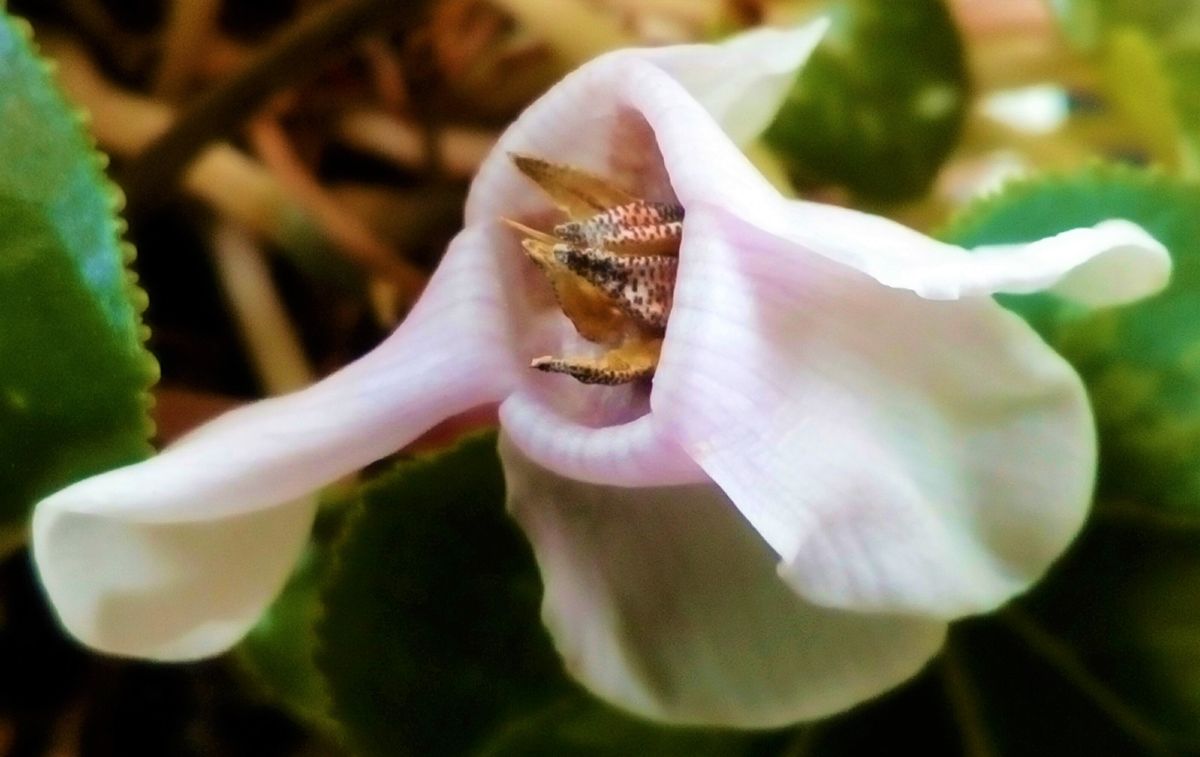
(527, 163)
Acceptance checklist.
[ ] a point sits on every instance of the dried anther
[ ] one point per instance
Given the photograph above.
(612, 267)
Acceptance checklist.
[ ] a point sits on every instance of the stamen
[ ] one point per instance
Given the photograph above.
(640, 227)
(630, 362)
(642, 285)
(577, 193)
(593, 313)
(612, 266)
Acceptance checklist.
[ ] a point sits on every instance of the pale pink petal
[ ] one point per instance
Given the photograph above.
(1111, 263)
(1114, 262)
(616, 106)
(743, 80)
(176, 557)
(592, 433)
(635, 453)
(594, 120)
(899, 454)
(665, 602)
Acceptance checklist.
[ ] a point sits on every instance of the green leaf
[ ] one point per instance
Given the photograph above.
(1149, 51)
(880, 104)
(1086, 23)
(1138, 84)
(1115, 624)
(280, 652)
(74, 375)
(430, 636)
(582, 727)
(1141, 363)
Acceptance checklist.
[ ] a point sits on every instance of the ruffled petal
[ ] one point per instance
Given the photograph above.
(1114, 262)
(665, 602)
(176, 557)
(899, 454)
(625, 108)
(1111, 263)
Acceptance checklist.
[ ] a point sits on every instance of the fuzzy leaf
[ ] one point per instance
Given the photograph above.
(880, 104)
(1114, 622)
(582, 727)
(430, 635)
(74, 374)
(1141, 363)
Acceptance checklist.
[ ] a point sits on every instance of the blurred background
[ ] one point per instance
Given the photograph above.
(292, 170)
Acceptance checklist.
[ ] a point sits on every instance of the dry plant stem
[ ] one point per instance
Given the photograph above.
(460, 150)
(350, 234)
(460, 32)
(267, 332)
(324, 34)
(92, 20)
(576, 29)
(124, 124)
(178, 410)
(190, 26)
(387, 75)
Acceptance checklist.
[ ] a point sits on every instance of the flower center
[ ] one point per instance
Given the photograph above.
(612, 267)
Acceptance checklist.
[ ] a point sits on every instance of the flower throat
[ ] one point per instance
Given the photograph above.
(612, 267)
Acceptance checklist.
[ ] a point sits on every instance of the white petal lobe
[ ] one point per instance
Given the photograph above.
(898, 454)
(175, 557)
(742, 81)
(1112, 263)
(665, 602)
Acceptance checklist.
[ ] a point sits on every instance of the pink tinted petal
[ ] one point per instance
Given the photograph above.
(635, 453)
(175, 557)
(743, 80)
(584, 121)
(899, 454)
(665, 602)
(1112, 263)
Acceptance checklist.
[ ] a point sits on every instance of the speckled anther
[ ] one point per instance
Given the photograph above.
(642, 285)
(611, 266)
(630, 362)
(647, 228)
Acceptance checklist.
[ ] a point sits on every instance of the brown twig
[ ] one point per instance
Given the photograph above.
(190, 26)
(297, 53)
(349, 233)
(460, 150)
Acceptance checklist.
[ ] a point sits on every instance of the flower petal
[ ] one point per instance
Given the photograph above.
(665, 602)
(176, 557)
(899, 454)
(625, 106)
(634, 453)
(1112, 263)
(743, 80)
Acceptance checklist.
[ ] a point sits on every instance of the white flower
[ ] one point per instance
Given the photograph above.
(846, 444)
